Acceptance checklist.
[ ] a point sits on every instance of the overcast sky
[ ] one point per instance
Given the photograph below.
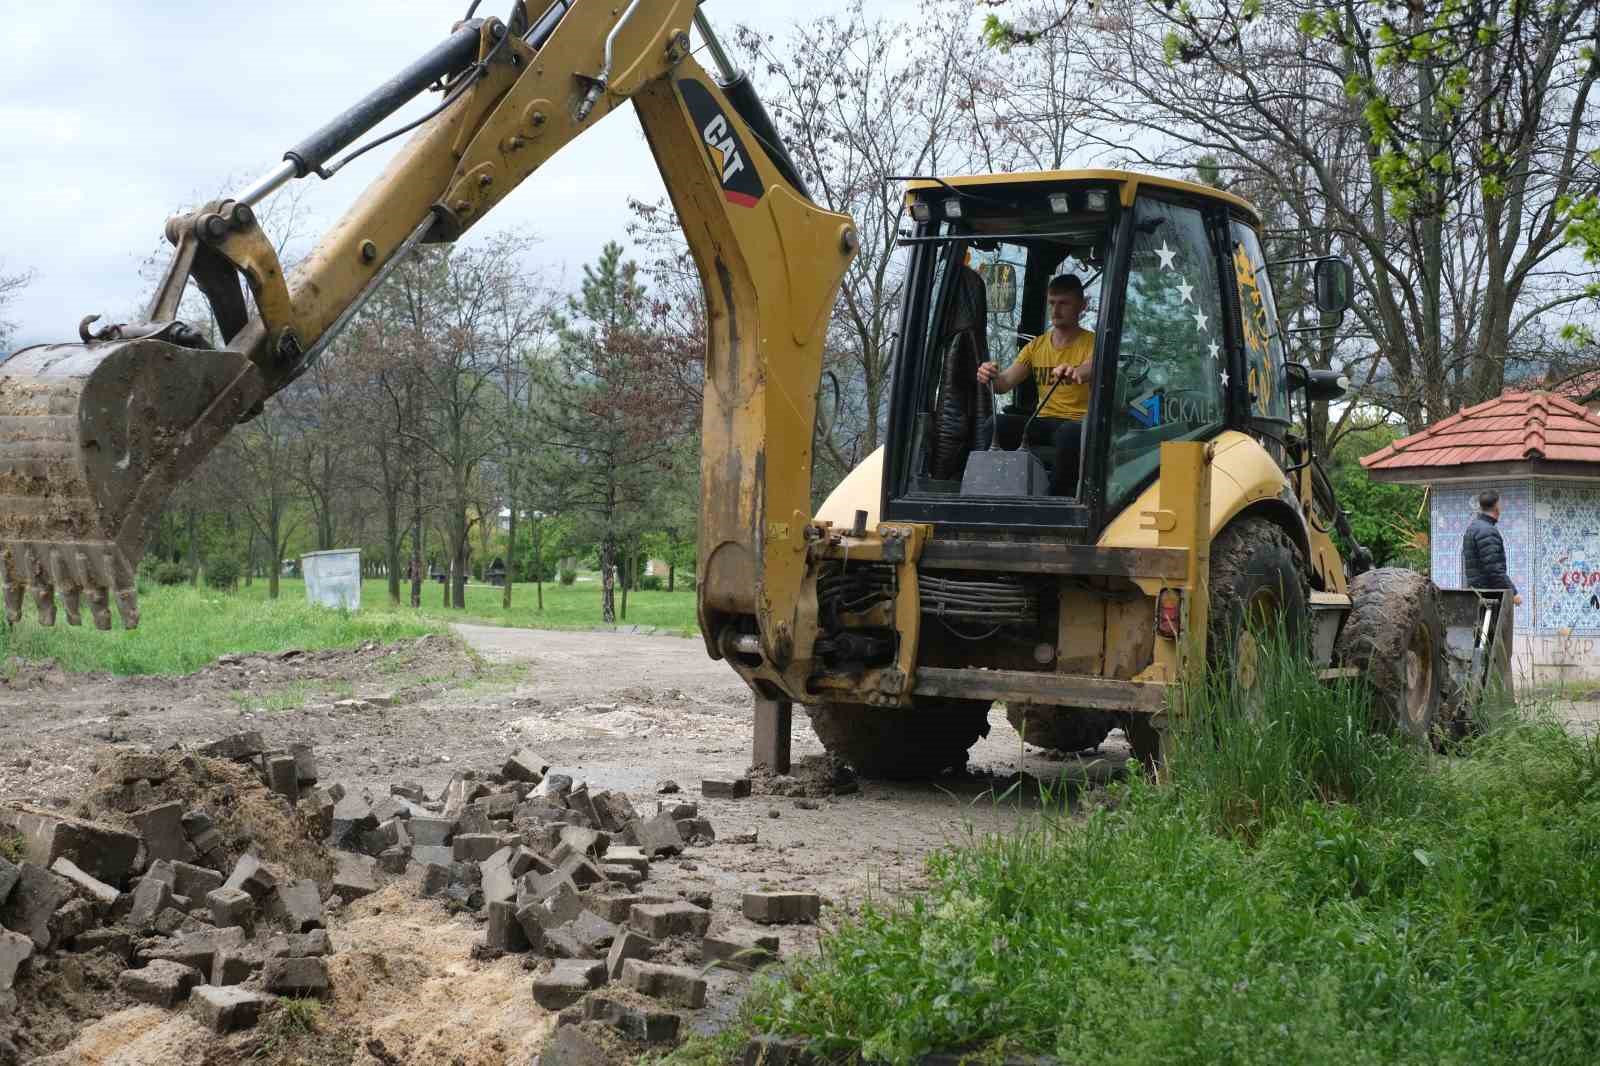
(115, 114)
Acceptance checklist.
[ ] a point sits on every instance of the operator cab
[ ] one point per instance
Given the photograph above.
(1167, 268)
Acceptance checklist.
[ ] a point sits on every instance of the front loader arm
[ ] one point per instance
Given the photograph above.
(93, 437)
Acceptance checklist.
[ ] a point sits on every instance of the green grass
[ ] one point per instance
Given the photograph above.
(1299, 889)
(182, 629)
(574, 606)
(293, 695)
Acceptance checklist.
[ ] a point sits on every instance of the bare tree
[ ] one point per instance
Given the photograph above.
(254, 473)
(861, 100)
(1447, 163)
(10, 286)
(461, 309)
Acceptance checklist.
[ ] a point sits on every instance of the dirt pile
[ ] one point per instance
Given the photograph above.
(812, 777)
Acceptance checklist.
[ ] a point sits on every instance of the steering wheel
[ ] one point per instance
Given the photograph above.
(1138, 368)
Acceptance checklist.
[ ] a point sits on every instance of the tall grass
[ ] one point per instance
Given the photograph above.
(1300, 888)
(1246, 759)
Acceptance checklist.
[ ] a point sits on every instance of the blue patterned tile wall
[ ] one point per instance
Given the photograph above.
(1452, 508)
(1552, 534)
(1567, 582)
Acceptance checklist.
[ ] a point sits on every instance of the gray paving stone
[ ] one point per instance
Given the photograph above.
(782, 908)
(163, 983)
(305, 976)
(661, 920)
(99, 850)
(88, 884)
(566, 982)
(223, 1010)
(674, 984)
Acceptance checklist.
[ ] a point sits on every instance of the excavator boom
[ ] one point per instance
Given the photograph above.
(95, 435)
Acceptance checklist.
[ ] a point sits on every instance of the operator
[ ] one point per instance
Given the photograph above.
(1064, 358)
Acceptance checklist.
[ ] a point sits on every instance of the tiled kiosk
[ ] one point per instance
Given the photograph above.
(1541, 452)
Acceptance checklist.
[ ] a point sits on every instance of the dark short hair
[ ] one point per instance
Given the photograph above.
(1488, 499)
(1065, 283)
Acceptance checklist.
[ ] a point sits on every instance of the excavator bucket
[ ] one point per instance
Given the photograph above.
(1477, 647)
(93, 437)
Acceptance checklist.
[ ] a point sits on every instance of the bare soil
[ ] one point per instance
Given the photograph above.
(618, 711)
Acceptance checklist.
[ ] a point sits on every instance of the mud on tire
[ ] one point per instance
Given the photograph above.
(1394, 636)
(1062, 728)
(1257, 578)
(895, 743)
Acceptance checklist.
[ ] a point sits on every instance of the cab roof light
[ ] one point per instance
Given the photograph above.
(1097, 199)
(921, 211)
(952, 207)
(1060, 203)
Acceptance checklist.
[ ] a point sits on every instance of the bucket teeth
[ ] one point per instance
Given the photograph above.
(71, 568)
(93, 437)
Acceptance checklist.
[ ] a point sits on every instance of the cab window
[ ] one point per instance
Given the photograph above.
(1171, 372)
(1263, 342)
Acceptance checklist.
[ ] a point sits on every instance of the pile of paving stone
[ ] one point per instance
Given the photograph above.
(560, 874)
(191, 922)
(557, 872)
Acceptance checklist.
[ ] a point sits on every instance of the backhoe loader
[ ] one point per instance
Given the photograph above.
(939, 577)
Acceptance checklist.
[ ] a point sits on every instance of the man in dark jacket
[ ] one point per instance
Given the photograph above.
(1483, 553)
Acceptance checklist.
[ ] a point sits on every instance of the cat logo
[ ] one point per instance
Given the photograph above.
(731, 164)
(723, 148)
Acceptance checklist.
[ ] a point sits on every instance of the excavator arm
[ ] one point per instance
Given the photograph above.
(95, 435)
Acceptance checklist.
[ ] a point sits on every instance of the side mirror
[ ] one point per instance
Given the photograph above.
(1333, 284)
(1318, 384)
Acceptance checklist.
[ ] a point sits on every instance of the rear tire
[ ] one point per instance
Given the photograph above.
(1061, 728)
(1395, 638)
(895, 743)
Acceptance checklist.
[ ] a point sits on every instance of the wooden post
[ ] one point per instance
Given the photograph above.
(773, 719)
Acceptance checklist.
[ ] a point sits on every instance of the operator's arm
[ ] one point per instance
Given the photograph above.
(1007, 379)
(1076, 375)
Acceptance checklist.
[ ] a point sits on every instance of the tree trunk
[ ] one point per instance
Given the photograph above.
(627, 579)
(608, 580)
(250, 559)
(194, 548)
(392, 534)
(538, 560)
(416, 542)
(511, 552)
(458, 583)
(275, 560)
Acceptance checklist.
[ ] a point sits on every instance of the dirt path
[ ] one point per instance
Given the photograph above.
(621, 712)
(627, 712)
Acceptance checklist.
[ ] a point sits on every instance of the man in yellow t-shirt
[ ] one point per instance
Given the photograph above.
(1063, 358)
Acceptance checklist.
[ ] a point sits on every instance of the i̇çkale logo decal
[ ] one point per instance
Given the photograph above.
(732, 164)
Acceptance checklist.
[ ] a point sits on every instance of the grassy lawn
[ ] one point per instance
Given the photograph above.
(1299, 890)
(182, 629)
(575, 606)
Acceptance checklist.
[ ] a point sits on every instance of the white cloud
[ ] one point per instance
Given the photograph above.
(171, 103)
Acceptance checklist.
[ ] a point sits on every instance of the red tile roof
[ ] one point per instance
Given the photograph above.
(1512, 427)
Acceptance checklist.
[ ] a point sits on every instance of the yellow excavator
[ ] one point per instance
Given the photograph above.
(941, 576)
